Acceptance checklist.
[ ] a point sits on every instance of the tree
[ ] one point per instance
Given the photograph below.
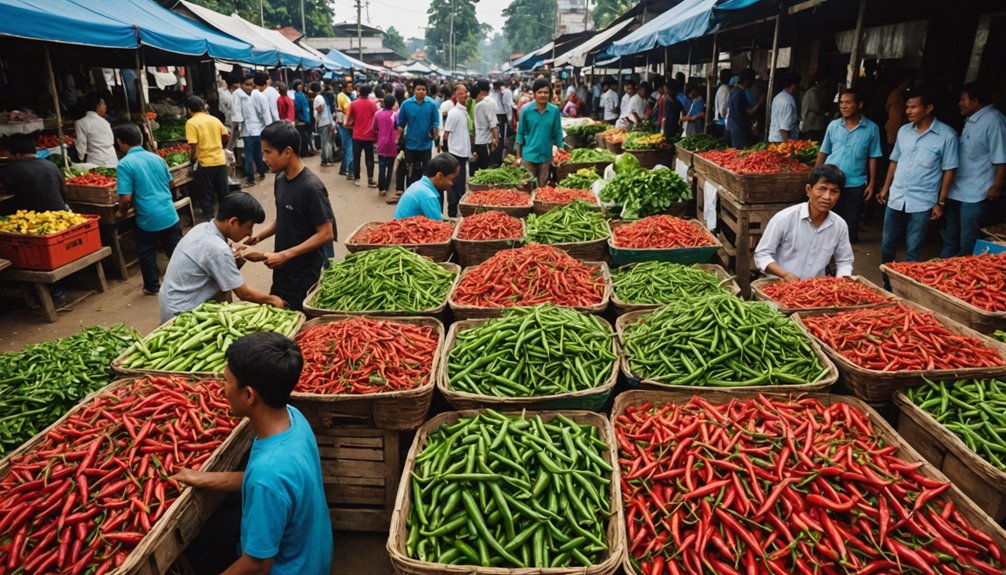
(605, 11)
(438, 31)
(279, 13)
(393, 41)
(529, 23)
(494, 50)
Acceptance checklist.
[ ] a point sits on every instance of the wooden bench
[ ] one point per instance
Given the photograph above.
(39, 281)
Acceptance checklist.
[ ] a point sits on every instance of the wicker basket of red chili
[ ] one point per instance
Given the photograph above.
(374, 371)
(811, 481)
(418, 234)
(517, 203)
(478, 237)
(759, 177)
(881, 349)
(823, 294)
(661, 238)
(969, 289)
(550, 198)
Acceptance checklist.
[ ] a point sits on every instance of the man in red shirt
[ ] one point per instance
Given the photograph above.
(360, 118)
(285, 104)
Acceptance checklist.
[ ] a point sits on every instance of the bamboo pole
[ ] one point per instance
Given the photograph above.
(711, 82)
(142, 98)
(857, 46)
(771, 75)
(59, 113)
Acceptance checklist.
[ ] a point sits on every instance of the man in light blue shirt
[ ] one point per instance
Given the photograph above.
(982, 171)
(418, 123)
(539, 128)
(785, 123)
(144, 182)
(852, 143)
(425, 196)
(922, 169)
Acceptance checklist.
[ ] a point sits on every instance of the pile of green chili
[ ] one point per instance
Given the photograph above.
(662, 282)
(974, 410)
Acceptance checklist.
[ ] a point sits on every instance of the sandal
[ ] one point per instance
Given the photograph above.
(393, 199)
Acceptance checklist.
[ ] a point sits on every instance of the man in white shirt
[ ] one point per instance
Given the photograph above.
(459, 144)
(254, 117)
(505, 107)
(263, 84)
(95, 142)
(608, 103)
(785, 123)
(800, 241)
(629, 107)
(721, 100)
(323, 123)
(487, 131)
(225, 101)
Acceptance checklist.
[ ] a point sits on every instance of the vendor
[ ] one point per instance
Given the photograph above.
(37, 184)
(425, 196)
(285, 523)
(95, 142)
(800, 241)
(204, 266)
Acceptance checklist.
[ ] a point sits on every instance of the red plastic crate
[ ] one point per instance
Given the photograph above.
(52, 251)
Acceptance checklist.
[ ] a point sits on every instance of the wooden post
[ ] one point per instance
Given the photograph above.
(857, 47)
(667, 62)
(142, 98)
(647, 68)
(688, 73)
(621, 81)
(55, 101)
(711, 82)
(771, 75)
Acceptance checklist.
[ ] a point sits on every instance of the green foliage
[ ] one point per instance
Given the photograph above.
(438, 32)
(606, 11)
(393, 41)
(645, 192)
(279, 13)
(530, 23)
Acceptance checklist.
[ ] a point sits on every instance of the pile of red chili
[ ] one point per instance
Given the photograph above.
(757, 162)
(977, 280)
(897, 337)
(361, 356)
(563, 195)
(560, 156)
(662, 232)
(501, 198)
(824, 291)
(779, 486)
(414, 230)
(164, 152)
(491, 225)
(91, 179)
(83, 498)
(531, 275)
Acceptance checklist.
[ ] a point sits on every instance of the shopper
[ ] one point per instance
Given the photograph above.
(487, 132)
(418, 127)
(263, 83)
(342, 102)
(36, 184)
(695, 115)
(284, 104)
(785, 124)
(740, 111)
(814, 112)
(323, 125)
(252, 114)
(609, 103)
(302, 118)
(206, 137)
(720, 101)
(425, 196)
(360, 119)
(385, 135)
(505, 109)
(95, 142)
(458, 143)
(671, 111)
(539, 130)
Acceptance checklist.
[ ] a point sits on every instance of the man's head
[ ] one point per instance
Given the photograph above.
(850, 103)
(389, 102)
(498, 85)
(261, 80)
(419, 88)
(298, 86)
(280, 145)
(824, 186)
(127, 136)
(672, 87)
(248, 84)
(791, 82)
(262, 370)
(195, 105)
(482, 89)
(630, 87)
(315, 87)
(442, 170)
(644, 90)
(974, 96)
(542, 91)
(918, 106)
(364, 91)
(96, 103)
(725, 75)
(347, 84)
(21, 146)
(281, 88)
(237, 215)
(461, 94)
(746, 78)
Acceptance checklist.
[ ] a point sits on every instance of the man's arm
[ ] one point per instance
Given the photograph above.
(882, 196)
(245, 293)
(323, 234)
(776, 270)
(948, 180)
(872, 169)
(81, 143)
(843, 255)
(247, 565)
(997, 185)
(784, 134)
(193, 152)
(764, 254)
(125, 202)
(267, 233)
(821, 157)
(216, 480)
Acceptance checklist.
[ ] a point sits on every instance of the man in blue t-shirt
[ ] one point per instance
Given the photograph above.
(418, 123)
(425, 197)
(285, 524)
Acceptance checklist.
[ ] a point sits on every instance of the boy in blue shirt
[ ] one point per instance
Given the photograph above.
(418, 124)
(425, 197)
(285, 524)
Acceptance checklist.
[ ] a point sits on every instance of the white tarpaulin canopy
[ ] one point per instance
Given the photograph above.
(578, 56)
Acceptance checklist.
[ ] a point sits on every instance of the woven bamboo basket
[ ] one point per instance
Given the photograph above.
(754, 188)
(405, 565)
(541, 207)
(878, 387)
(92, 194)
(726, 280)
(312, 311)
(462, 312)
(593, 399)
(438, 252)
(395, 410)
(525, 187)
(758, 285)
(473, 252)
(974, 515)
(592, 251)
(467, 209)
(613, 146)
(995, 233)
(699, 255)
(824, 382)
(976, 318)
(651, 157)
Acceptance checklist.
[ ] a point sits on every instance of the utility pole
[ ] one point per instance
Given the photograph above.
(450, 55)
(303, 20)
(359, 29)
(261, 13)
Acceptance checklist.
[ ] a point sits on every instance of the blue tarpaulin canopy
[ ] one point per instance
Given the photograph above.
(688, 20)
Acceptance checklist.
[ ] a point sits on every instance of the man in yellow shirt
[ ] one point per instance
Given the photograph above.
(342, 100)
(206, 137)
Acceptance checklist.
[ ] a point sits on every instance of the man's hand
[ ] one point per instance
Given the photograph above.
(993, 193)
(276, 301)
(276, 259)
(790, 278)
(253, 256)
(868, 192)
(120, 214)
(882, 196)
(937, 212)
(190, 477)
(251, 240)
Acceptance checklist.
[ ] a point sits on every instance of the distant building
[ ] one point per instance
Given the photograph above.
(290, 33)
(573, 17)
(345, 40)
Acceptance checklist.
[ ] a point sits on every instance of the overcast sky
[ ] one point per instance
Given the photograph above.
(409, 16)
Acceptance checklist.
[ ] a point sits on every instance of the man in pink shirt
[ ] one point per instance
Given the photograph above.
(360, 118)
(387, 148)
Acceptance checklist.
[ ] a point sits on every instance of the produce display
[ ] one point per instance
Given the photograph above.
(581, 179)
(701, 143)
(552, 195)
(414, 230)
(1000, 335)
(365, 356)
(779, 486)
(175, 155)
(662, 282)
(84, 497)
(587, 130)
(573, 222)
(968, 408)
(532, 352)
(52, 140)
(662, 232)
(197, 340)
(491, 225)
(644, 141)
(645, 192)
(91, 179)
(581, 155)
(386, 279)
(560, 156)
(511, 491)
(824, 291)
(505, 175)
(803, 150)
(499, 198)
(614, 135)
(720, 341)
(45, 380)
(170, 132)
(897, 337)
(756, 162)
(531, 275)
(31, 223)
(978, 280)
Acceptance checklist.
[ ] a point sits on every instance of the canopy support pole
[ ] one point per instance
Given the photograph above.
(857, 47)
(140, 70)
(771, 75)
(647, 66)
(667, 61)
(714, 76)
(621, 79)
(55, 101)
(688, 73)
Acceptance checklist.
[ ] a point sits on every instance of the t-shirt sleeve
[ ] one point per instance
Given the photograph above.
(997, 142)
(319, 209)
(222, 267)
(875, 151)
(191, 133)
(950, 157)
(268, 513)
(124, 183)
(896, 151)
(826, 141)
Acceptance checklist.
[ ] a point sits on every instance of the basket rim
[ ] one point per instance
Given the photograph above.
(617, 223)
(948, 298)
(368, 225)
(457, 230)
(758, 294)
(589, 309)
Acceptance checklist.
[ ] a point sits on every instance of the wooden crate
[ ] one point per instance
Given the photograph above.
(91, 194)
(747, 222)
(360, 469)
(755, 188)
(566, 168)
(651, 157)
(181, 175)
(976, 318)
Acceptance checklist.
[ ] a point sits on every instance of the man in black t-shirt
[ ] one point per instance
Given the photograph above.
(37, 184)
(304, 221)
(671, 111)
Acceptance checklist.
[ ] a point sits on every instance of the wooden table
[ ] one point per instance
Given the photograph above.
(39, 281)
(4, 264)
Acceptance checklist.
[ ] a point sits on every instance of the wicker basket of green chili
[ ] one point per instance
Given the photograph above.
(577, 228)
(503, 177)
(649, 285)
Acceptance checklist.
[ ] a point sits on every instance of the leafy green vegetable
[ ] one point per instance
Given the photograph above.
(581, 179)
(626, 163)
(588, 130)
(169, 133)
(701, 143)
(107, 172)
(177, 159)
(581, 155)
(509, 175)
(646, 192)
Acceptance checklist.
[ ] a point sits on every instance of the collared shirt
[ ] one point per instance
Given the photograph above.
(624, 109)
(922, 159)
(272, 98)
(609, 101)
(254, 114)
(737, 110)
(95, 142)
(206, 132)
(538, 131)
(504, 103)
(201, 266)
(697, 107)
(722, 95)
(800, 248)
(851, 150)
(459, 142)
(982, 146)
(485, 121)
(418, 120)
(814, 109)
(785, 116)
(238, 103)
(322, 112)
(145, 176)
(421, 199)
(226, 104)
(302, 109)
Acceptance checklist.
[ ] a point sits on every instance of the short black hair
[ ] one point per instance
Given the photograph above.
(195, 104)
(247, 77)
(856, 94)
(364, 91)
(315, 87)
(483, 86)
(21, 144)
(747, 76)
(978, 90)
(91, 101)
(268, 362)
(498, 84)
(630, 82)
(419, 82)
(725, 75)
(261, 78)
(389, 102)
(539, 84)
(830, 173)
(298, 84)
(242, 206)
(672, 86)
(128, 134)
(919, 93)
(442, 164)
(281, 135)
(792, 78)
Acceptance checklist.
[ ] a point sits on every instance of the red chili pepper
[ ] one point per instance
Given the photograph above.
(552, 195)
(663, 231)
(491, 225)
(978, 280)
(756, 162)
(414, 230)
(91, 179)
(498, 198)
(824, 291)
